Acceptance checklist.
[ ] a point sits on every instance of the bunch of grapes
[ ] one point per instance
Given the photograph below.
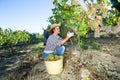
(53, 57)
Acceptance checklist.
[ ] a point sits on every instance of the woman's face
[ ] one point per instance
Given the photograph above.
(57, 30)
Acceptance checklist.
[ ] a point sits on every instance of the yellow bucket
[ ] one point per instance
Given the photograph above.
(54, 67)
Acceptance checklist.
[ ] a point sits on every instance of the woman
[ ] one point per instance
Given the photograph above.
(55, 43)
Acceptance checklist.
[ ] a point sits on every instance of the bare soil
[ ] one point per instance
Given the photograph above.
(79, 64)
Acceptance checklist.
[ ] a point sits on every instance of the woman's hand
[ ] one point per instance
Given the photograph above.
(70, 34)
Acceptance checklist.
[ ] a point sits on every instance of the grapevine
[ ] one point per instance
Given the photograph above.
(71, 14)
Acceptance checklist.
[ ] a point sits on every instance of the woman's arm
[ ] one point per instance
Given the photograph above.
(69, 35)
(65, 40)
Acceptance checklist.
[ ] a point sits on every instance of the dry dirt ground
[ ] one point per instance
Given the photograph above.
(88, 64)
(79, 64)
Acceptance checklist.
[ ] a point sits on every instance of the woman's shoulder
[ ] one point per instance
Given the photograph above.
(51, 36)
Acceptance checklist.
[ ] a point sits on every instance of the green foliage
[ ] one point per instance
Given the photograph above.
(85, 42)
(71, 14)
(112, 18)
(9, 38)
(2, 39)
(21, 36)
(118, 0)
(39, 36)
(115, 4)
